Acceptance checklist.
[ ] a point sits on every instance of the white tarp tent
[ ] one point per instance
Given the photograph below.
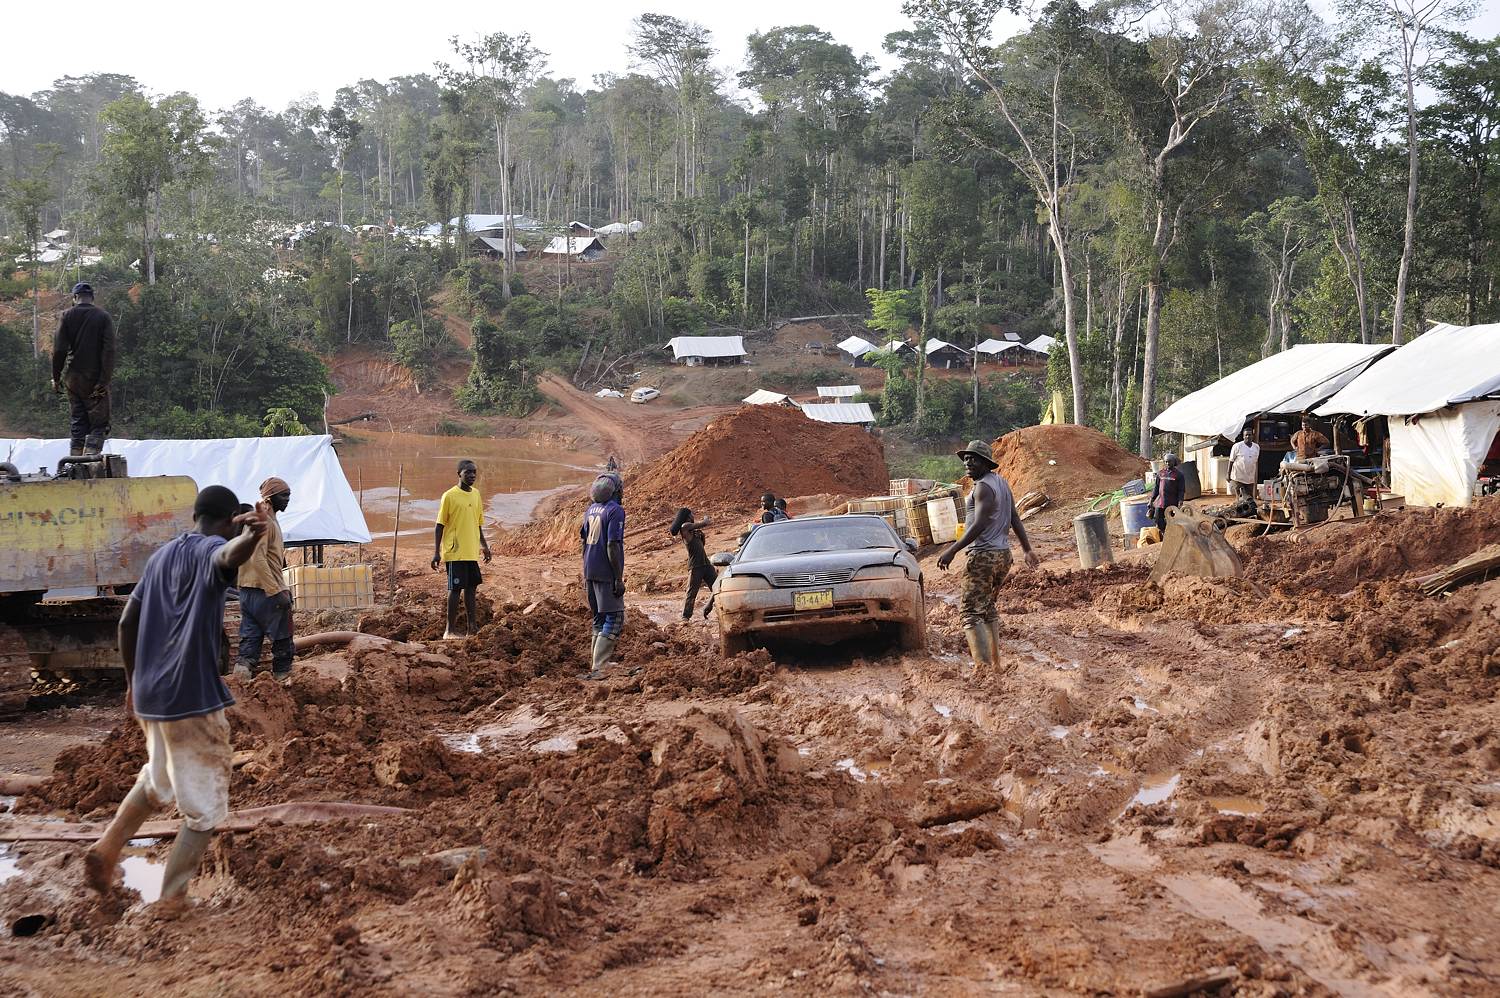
(683, 347)
(323, 507)
(1441, 395)
(763, 397)
(838, 391)
(1042, 344)
(856, 346)
(1294, 380)
(841, 412)
(995, 347)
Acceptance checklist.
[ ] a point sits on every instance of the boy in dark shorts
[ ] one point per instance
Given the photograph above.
(458, 540)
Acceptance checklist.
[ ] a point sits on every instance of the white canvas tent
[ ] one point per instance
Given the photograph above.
(1294, 380)
(841, 412)
(857, 347)
(838, 391)
(691, 349)
(763, 397)
(1441, 396)
(323, 507)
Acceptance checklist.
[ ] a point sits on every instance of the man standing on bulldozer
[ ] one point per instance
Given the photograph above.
(85, 345)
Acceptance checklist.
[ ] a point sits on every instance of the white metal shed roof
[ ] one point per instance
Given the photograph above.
(934, 345)
(1294, 380)
(1445, 366)
(840, 412)
(838, 391)
(706, 346)
(498, 245)
(996, 346)
(1042, 344)
(572, 245)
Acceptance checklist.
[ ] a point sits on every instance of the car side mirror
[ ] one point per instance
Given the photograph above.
(721, 559)
(911, 545)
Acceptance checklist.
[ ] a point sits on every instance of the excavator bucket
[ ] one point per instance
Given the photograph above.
(1194, 544)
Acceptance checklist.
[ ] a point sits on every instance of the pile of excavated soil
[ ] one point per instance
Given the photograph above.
(722, 470)
(1064, 461)
(1337, 556)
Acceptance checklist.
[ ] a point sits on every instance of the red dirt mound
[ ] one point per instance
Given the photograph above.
(1065, 461)
(722, 470)
(1338, 556)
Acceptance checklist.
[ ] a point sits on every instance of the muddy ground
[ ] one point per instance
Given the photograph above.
(1288, 785)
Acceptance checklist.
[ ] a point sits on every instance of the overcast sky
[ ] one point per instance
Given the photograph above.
(276, 50)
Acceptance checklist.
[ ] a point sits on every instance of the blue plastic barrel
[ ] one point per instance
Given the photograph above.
(1135, 513)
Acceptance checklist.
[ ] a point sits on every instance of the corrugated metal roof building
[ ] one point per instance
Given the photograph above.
(856, 413)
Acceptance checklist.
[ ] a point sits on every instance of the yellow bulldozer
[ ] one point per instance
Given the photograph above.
(72, 543)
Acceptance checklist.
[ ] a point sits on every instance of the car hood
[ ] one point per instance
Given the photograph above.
(821, 561)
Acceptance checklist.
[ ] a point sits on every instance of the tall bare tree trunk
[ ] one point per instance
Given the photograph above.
(1413, 155)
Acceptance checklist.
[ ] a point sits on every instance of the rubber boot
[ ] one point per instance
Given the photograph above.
(75, 450)
(604, 646)
(981, 645)
(993, 627)
(183, 862)
(102, 861)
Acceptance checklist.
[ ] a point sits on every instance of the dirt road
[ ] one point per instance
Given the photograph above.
(633, 433)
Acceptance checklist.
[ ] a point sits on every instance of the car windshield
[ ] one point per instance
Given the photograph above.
(839, 533)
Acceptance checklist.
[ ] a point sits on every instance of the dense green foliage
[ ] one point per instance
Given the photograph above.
(1171, 196)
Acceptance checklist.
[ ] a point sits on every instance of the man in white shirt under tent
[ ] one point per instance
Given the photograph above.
(1244, 465)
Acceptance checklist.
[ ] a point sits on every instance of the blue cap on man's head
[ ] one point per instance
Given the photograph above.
(83, 288)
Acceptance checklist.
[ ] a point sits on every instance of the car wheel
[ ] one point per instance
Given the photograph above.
(914, 634)
(731, 645)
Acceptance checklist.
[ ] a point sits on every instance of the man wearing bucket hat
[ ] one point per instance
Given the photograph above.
(988, 523)
(85, 345)
(265, 601)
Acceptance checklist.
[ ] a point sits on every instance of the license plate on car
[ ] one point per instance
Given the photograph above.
(822, 599)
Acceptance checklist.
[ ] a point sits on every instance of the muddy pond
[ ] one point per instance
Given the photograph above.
(514, 475)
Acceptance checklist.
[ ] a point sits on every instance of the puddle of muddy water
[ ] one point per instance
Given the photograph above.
(514, 474)
(10, 867)
(144, 875)
(1155, 788)
(1244, 807)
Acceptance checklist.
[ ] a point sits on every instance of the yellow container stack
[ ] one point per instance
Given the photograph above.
(319, 587)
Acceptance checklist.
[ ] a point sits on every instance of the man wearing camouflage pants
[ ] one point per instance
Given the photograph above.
(991, 516)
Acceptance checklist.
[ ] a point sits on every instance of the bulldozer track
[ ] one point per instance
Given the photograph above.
(15, 673)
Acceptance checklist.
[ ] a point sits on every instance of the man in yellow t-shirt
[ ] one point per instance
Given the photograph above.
(457, 542)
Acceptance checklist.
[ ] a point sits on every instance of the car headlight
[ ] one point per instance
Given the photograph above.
(741, 583)
(880, 572)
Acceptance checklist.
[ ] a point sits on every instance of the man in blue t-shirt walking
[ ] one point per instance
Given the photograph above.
(172, 641)
(603, 536)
